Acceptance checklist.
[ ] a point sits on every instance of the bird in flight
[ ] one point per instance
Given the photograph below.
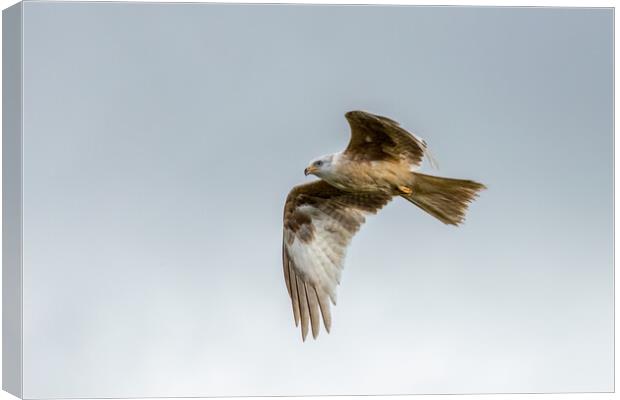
(321, 217)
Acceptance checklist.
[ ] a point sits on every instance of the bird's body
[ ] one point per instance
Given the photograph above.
(321, 217)
(368, 175)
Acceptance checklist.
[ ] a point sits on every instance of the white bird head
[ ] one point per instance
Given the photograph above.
(321, 166)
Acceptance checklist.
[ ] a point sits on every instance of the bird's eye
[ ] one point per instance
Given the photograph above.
(319, 163)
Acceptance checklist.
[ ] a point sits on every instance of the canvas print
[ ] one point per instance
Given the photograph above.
(208, 200)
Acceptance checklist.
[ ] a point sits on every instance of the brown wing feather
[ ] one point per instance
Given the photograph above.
(294, 295)
(286, 265)
(303, 306)
(323, 299)
(313, 306)
(319, 222)
(374, 137)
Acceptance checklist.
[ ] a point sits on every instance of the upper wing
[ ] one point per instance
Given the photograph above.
(374, 137)
(319, 222)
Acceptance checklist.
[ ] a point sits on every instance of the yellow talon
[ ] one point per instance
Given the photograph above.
(405, 189)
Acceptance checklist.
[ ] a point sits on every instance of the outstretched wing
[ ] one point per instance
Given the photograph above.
(319, 222)
(374, 137)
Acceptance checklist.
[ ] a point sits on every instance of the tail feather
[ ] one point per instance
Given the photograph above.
(446, 199)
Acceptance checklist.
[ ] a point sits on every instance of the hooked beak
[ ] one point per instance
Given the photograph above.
(310, 170)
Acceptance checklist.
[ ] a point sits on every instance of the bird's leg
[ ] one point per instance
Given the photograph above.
(405, 190)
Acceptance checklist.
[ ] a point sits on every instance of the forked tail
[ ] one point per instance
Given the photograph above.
(444, 198)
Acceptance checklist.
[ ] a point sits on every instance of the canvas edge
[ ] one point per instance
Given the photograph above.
(12, 126)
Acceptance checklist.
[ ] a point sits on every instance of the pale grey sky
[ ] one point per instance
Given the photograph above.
(160, 141)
